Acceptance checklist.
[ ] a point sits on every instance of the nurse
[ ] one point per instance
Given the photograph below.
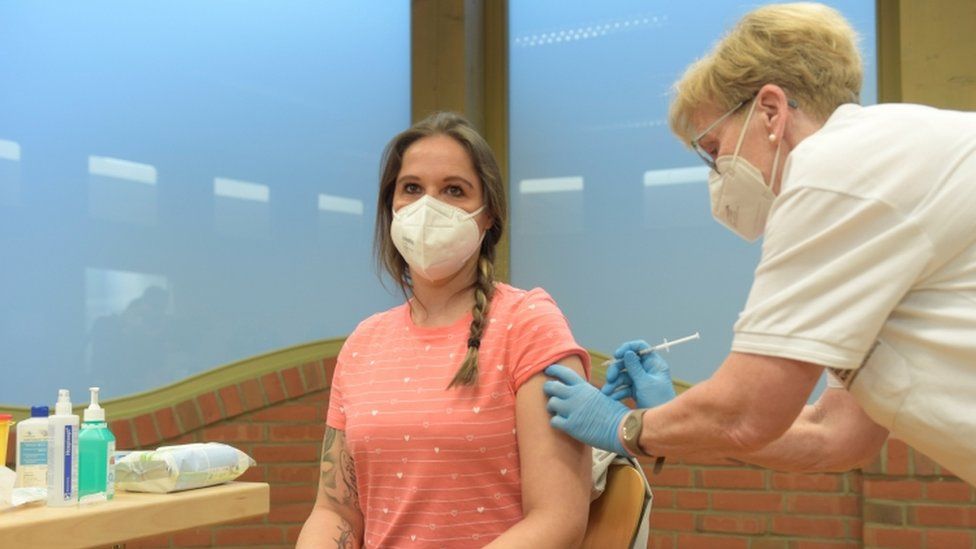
(868, 266)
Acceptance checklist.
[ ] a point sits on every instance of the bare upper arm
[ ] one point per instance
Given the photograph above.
(556, 468)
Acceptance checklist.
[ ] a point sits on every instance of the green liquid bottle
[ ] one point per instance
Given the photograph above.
(96, 453)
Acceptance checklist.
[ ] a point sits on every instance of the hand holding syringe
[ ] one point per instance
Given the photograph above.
(666, 346)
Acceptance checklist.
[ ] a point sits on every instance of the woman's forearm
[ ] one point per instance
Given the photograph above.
(327, 529)
(540, 529)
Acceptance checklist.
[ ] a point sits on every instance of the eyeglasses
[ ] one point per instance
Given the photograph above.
(705, 156)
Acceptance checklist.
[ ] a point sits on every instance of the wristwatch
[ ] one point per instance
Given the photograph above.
(630, 431)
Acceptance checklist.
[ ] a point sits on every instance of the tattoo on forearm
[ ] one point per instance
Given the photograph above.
(345, 538)
(337, 480)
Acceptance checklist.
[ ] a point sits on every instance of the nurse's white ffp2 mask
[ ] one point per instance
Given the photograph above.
(740, 197)
(435, 238)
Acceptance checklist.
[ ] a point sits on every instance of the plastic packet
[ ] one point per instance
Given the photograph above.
(181, 467)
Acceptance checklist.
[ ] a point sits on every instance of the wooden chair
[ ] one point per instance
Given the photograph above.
(615, 516)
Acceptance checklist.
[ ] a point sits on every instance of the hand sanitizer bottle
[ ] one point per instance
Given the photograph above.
(97, 454)
(62, 454)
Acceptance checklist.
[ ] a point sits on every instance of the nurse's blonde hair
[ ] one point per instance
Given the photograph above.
(808, 49)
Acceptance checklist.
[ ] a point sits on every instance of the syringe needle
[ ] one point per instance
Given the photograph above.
(665, 346)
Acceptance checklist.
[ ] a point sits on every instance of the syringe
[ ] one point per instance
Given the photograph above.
(665, 346)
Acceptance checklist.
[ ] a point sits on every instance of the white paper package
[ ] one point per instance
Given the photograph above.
(180, 467)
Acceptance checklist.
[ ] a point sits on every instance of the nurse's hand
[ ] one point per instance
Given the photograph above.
(582, 411)
(646, 379)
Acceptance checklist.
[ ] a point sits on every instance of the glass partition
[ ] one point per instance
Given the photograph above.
(184, 184)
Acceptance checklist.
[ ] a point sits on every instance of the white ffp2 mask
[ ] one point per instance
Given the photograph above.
(740, 197)
(435, 238)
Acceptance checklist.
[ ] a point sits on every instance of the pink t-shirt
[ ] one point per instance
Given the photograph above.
(439, 467)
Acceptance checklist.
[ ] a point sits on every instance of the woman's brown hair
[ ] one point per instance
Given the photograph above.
(496, 207)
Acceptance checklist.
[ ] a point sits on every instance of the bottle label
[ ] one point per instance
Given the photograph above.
(110, 474)
(68, 459)
(33, 452)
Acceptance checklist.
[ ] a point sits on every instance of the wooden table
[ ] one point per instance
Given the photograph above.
(130, 516)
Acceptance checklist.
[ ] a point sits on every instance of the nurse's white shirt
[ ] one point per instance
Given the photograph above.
(869, 268)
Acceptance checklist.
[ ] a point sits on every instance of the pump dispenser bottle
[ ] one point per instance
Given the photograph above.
(62, 454)
(97, 454)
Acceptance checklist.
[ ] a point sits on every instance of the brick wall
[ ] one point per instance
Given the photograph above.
(902, 500)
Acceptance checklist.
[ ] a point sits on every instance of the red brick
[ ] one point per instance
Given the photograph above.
(883, 512)
(669, 476)
(664, 498)
(150, 542)
(329, 365)
(769, 543)
(876, 467)
(293, 382)
(672, 520)
(124, 438)
(291, 534)
(234, 432)
(805, 504)
(255, 474)
(304, 474)
(731, 524)
(286, 453)
(253, 395)
(951, 490)
(659, 541)
(230, 396)
(314, 375)
(747, 501)
(825, 544)
(146, 433)
(731, 478)
(924, 466)
(273, 387)
(811, 527)
(892, 538)
(189, 415)
(287, 412)
(209, 408)
(197, 537)
(949, 538)
(943, 515)
(285, 433)
(291, 513)
(691, 500)
(249, 535)
(294, 494)
(806, 483)
(897, 454)
(696, 541)
(892, 489)
(166, 421)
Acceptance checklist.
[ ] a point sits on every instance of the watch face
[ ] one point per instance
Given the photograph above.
(632, 426)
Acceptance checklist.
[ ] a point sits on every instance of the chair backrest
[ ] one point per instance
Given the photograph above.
(615, 516)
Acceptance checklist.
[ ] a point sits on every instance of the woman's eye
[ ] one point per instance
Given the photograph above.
(411, 188)
(454, 190)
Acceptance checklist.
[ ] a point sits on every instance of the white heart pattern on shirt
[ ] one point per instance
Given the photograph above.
(399, 474)
(476, 409)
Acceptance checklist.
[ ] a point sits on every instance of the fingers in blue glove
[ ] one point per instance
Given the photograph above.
(636, 346)
(564, 374)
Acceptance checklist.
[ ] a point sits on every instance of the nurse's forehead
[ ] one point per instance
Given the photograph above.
(704, 116)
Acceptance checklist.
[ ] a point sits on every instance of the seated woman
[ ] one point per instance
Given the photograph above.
(437, 433)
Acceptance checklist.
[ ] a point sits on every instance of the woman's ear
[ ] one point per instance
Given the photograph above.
(773, 106)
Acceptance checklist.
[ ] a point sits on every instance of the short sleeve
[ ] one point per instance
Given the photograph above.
(540, 336)
(336, 417)
(833, 268)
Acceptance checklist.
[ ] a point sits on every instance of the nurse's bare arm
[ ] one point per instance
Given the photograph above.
(749, 402)
(832, 435)
(336, 520)
(556, 474)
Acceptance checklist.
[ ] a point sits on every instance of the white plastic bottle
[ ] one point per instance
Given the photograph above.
(62, 454)
(32, 441)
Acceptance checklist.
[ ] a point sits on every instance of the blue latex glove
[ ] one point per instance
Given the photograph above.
(582, 411)
(646, 379)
